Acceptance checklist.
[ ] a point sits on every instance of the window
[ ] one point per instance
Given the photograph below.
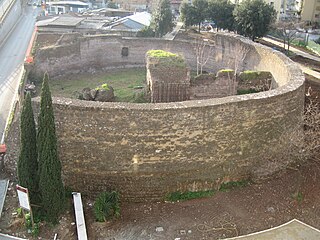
(125, 52)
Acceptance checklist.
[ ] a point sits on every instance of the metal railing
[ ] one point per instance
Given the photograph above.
(4, 7)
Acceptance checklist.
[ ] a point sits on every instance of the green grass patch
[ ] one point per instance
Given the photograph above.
(225, 187)
(127, 84)
(183, 196)
(314, 47)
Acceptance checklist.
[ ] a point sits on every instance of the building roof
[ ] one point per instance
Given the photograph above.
(136, 21)
(61, 21)
(78, 3)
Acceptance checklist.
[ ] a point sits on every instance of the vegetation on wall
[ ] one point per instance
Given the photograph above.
(166, 58)
(224, 187)
(103, 86)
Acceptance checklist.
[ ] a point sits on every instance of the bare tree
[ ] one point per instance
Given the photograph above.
(288, 30)
(240, 53)
(203, 52)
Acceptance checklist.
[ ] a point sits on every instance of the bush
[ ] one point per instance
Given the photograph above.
(103, 87)
(106, 206)
(146, 32)
(317, 41)
(183, 196)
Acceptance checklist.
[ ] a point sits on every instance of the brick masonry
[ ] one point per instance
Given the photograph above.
(148, 150)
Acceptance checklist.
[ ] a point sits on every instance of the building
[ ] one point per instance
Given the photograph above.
(145, 5)
(62, 7)
(134, 22)
(136, 5)
(310, 10)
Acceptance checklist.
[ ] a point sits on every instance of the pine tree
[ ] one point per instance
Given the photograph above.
(28, 162)
(50, 183)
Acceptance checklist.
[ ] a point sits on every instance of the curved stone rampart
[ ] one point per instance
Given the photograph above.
(147, 150)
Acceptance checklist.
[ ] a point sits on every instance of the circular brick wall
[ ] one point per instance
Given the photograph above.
(148, 150)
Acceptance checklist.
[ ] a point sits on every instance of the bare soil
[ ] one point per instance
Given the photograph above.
(295, 193)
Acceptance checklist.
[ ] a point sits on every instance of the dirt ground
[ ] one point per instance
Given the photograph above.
(294, 193)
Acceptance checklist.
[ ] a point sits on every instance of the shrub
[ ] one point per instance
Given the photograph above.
(146, 32)
(106, 206)
(183, 196)
(103, 87)
(317, 41)
(232, 185)
(246, 91)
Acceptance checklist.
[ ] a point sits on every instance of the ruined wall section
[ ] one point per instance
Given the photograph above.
(99, 53)
(168, 79)
(213, 86)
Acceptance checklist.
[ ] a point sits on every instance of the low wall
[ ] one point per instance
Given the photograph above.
(9, 18)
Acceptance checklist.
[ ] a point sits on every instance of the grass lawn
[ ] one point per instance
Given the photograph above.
(126, 83)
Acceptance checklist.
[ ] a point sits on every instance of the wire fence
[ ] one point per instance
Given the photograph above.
(4, 6)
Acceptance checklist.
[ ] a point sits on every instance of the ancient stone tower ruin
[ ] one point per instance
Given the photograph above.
(168, 77)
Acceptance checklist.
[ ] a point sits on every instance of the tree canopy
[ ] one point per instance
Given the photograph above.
(254, 18)
(199, 11)
(162, 20)
(221, 12)
(186, 13)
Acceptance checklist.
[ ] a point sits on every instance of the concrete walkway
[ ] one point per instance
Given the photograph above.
(293, 230)
(172, 35)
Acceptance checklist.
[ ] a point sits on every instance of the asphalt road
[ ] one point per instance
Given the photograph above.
(12, 54)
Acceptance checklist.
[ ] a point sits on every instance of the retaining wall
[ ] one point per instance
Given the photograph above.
(148, 150)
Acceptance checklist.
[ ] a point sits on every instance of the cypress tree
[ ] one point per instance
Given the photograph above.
(50, 183)
(162, 18)
(28, 162)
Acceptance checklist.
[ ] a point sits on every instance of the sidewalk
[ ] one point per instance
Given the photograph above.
(172, 35)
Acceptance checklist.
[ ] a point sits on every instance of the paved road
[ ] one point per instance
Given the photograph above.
(12, 54)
